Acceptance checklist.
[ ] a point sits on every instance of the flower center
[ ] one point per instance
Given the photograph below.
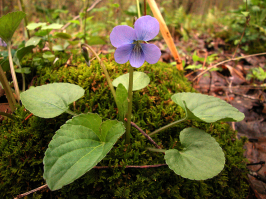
(137, 47)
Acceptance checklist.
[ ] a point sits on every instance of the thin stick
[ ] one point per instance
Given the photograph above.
(131, 166)
(78, 16)
(232, 59)
(165, 33)
(97, 167)
(32, 191)
(145, 134)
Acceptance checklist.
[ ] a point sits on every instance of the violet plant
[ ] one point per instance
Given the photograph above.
(83, 141)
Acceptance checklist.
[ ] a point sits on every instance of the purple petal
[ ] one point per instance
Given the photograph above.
(151, 53)
(122, 35)
(122, 53)
(146, 28)
(137, 58)
(2, 43)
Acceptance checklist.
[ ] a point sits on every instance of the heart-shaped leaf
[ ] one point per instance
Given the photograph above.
(51, 100)
(77, 147)
(9, 23)
(122, 103)
(140, 80)
(207, 108)
(201, 157)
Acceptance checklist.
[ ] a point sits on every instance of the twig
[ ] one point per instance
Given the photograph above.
(145, 134)
(32, 191)
(257, 176)
(131, 166)
(78, 16)
(96, 167)
(234, 87)
(232, 59)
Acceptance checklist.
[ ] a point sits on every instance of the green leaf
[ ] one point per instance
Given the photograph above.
(33, 26)
(51, 100)
(4, 54)
(193, 67)
(77, 147)
(9, 23)
(58, 48)
(25, 70)
(48, 55)
(62, 35)
(73, 43)
(140, 80)
(196, 58)
(122, 103)
(33, 41)
(207, 108)
(20, 53)
(96, 40)
(42, 33)
(201, 157)
(236, 41)
(52, 26)
(245, 13)
(5, 64)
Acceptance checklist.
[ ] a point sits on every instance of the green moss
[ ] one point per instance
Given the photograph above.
(23, 143)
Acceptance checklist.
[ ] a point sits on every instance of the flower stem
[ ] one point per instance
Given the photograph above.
(167, 126)
(129, 112)
(139, 15)
(71, 112)
(156, 150)
(104, 70)
(9, 94)
(12, 70)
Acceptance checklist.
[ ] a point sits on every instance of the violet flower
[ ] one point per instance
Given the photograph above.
(2, 43)
(130, 42)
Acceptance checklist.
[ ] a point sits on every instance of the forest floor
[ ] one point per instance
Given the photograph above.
(228, 81)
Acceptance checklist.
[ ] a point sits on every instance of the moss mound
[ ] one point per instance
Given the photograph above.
(23, 143)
